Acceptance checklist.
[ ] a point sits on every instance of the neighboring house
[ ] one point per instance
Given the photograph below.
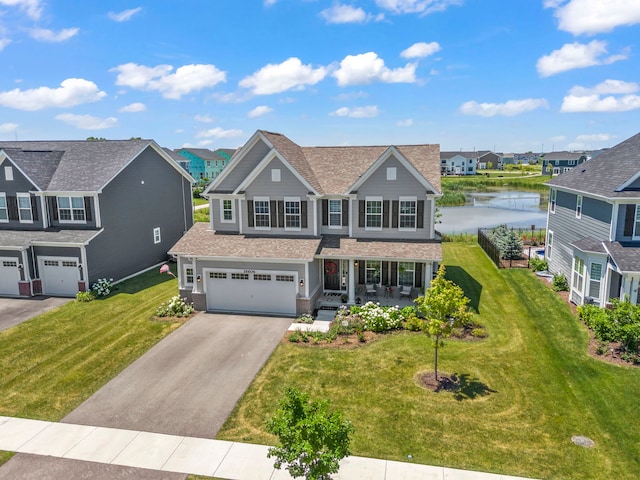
(488, 159)
(179, 159)
(204, 164)
(528, 158)
(458, 163)
(555, 163)
(593, 226)
(72, 212)
(290, 223)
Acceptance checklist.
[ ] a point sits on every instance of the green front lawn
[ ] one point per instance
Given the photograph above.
(527, 389)
(52, 363)
(199, 201)
(201, 215)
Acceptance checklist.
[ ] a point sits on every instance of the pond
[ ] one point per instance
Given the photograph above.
(517, 209)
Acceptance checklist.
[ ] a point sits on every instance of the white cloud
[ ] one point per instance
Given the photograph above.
(87, 122)
(595, 137)
(290, 74)
(576, 55)
(134, 107)
(33, 8)
(594, 16)
(72, 92)
(8, 127)
(204, 118)
(4, 42)
(405, 123)
(596, 103)
(348, 96)
(507, 109)
(46, 35)
(606, 87)
(219, 133)
(186, 79)
(421, 50)
(259, 111)
(344, 14)
(422, 7)
(125, 15)
(368, 67)
(357, 112)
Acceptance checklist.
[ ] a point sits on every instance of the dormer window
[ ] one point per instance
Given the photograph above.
(71, 209)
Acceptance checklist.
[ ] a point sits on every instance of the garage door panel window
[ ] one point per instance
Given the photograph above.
(218, 275)
(262, 277)
(285, 278)
(239, 276)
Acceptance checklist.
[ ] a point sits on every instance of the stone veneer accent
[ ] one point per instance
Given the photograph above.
(24, 288)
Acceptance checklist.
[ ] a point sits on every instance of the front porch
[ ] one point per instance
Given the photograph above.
(385, 296)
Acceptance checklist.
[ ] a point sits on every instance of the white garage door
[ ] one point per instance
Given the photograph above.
(9, 276)
(260, 292)
(59, 276)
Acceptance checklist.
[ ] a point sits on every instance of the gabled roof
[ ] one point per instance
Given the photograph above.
(175, 156)
(625, 255)
(76, 166)
(202, 153)
(224, 153)
(564, 155)
(606, 175)
(446, 155)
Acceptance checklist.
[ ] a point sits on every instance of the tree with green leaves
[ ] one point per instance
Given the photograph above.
(444, 307)
(313, 440)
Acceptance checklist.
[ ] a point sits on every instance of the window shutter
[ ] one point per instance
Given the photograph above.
(361, 271)
(629, 220)
(12, 207)
(87, 209)
(385, 273)
(280, 215)
(303, 214)
(420, 214)
(418, 275)
(345, 213)
(395, 205)
(325, 212)
(250, 218)
(361, 214)
(394, 274)
(34, 208)
(273, 205)
(385, 213)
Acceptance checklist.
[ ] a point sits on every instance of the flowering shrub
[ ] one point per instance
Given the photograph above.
(102, 287)
(84, 296)
(377, 318)
(175, 307)
(305, 318)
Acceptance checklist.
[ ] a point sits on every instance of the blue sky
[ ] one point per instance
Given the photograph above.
(504, 75)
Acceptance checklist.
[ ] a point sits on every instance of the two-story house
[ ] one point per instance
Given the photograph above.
(593, 226)
(290, 223)
(555, 163)
(458, 163)
(72, 212)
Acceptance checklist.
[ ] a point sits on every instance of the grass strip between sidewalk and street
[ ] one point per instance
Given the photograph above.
(526, 389)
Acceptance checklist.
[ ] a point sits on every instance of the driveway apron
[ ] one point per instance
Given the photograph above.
(189, 382)
(17, 310)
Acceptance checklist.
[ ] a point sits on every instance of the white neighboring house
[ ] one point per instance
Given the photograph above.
(458, 163)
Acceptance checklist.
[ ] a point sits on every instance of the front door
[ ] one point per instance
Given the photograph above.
(336, 274)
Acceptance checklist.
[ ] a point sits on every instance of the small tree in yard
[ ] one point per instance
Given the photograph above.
(444, 307)
(313, 440)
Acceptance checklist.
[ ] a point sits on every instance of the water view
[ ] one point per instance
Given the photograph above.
(487, 210)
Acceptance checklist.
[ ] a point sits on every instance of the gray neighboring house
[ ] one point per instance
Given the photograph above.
(291, 224)
(72, 212)
(593, 226)
(555, 163)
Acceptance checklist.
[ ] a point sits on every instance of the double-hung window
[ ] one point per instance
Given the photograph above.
(226, 211)
(335, 213)
(291, 213)
(549, 244)
(188, 275)
(636, 225)
(71, 209)
(373, 213)
(578, 274)
(552, 200)
(24, 207)
(261, 213)
(157, 237)
(407, 213)
(595, 279)
(579, 206)
(4, 212)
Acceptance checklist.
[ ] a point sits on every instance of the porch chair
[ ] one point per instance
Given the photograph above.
(371, 291)
(405, 291)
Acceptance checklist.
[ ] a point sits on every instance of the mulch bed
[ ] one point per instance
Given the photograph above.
(444, 383)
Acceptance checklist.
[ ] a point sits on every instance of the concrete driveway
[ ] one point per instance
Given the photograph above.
(17, 310)
(189, 382)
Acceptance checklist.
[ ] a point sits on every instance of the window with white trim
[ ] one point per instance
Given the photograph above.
(572, 162)
(595, 280)
(372, 271)
(407, 213)
(406, 273)
(71, 209)
(4, 211)
(188, 275)
(156, 235)
(552, 200)
(227, 214)
(24, 207)
(556, 171)
(335, 213)
(549, 244)
(578, 274)
(373, 213)
(636, 224)
(8, 173)
(579, 206)
(291, 213)
(261, 213)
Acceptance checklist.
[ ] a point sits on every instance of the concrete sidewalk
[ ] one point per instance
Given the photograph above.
(190, 455)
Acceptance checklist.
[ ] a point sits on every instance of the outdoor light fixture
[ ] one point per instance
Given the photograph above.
(302, 282)
(198, 278)
(79, 266)
(20, 266)
(355, 264)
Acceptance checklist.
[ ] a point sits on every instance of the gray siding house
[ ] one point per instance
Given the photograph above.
(555, 163)
(72, 212)
(291, 224)
(593, 226)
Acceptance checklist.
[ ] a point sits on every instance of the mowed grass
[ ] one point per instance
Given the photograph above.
(528, 388)
(52, 363)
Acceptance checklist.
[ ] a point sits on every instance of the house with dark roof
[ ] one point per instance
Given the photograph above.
(204, 164)
(555, 163)
(458, 163)
(72, 212)
(290, 225)
(179, 159)
(593, 226)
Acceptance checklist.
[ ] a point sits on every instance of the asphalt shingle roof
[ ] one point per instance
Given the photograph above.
(26, 238)
(343, 247)
(626, 255)
(605, 174)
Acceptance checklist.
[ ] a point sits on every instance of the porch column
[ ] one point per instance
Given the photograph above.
(352, 282)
